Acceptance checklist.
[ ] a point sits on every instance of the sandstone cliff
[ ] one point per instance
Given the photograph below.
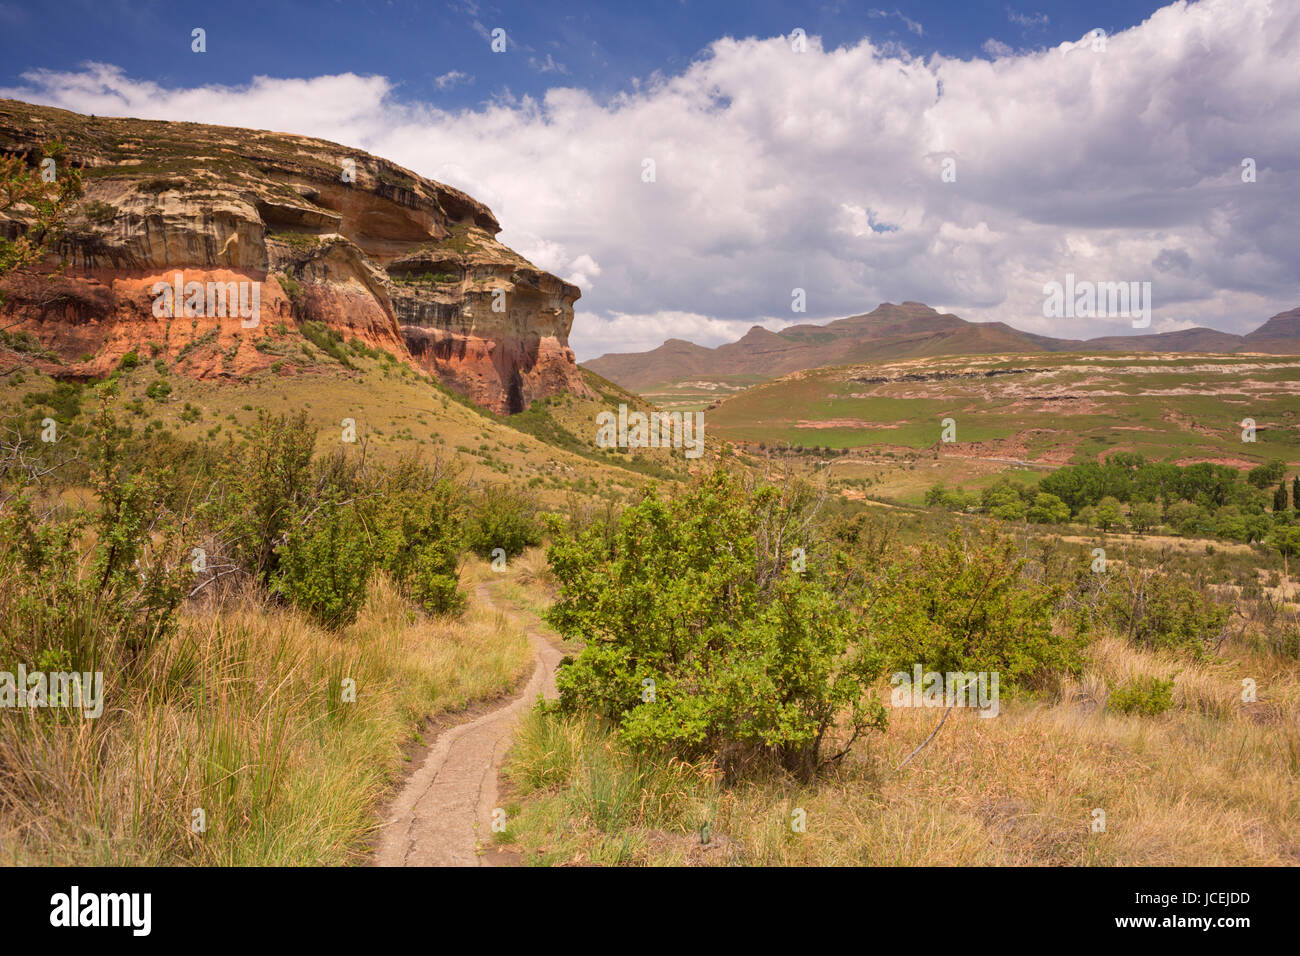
(329, 234)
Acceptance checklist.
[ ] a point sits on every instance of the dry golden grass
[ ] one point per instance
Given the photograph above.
(242, 714)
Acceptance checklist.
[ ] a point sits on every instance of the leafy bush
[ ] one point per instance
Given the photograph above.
(502, 517)
(417, 528)
(1147, 696)
(91, 589)
(1048, 509)
(265, 483)
(746, 656)
(325, 563)
(313, 529)
(1282, 640)
(158, 389)
(1167, 614)
(1109, 514)
(964, 605)
(1152, 609)
(1144, 516)
(1261, 476)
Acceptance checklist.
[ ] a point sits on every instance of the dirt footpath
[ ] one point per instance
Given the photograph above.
(443, 814)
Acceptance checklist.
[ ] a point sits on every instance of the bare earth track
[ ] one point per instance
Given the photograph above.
(443, 814)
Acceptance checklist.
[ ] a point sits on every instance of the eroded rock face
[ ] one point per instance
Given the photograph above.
(328, 234)
(486, 321)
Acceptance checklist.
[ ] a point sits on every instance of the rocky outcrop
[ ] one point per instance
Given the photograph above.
(325, 233)
(485, 320)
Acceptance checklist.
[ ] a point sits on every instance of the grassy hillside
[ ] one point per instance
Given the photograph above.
(550, 449)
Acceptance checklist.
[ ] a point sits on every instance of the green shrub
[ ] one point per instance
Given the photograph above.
(1048, 509)
(1147, 696)
(325, 563)
(266, 481)
(502, 517)
(747, 657)
(1282, 640)
(92, 589)
(965, 605)
(417, 529)
(158, 389)
(1159, 611)
(1144, 516)
(435, 579)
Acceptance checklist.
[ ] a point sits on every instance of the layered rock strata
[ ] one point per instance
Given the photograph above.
(320, 232)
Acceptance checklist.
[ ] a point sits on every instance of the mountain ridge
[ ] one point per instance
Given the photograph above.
(906, 330)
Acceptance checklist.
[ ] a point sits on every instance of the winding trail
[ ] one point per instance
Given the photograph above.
(443, 813)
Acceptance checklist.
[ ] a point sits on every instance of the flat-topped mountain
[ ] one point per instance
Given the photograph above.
(330, 234)
(909, 330)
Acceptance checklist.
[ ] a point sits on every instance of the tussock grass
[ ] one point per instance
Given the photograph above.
(242, 714)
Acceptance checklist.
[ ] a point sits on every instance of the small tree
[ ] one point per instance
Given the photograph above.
(325, 563)
(504, 518)
(1109, 513)
(964, 605)
(416, 526)
(1286, 538)
(1279, 498)
(1048, 509)
(1187, 517)
(1144, 515)
(266, 481)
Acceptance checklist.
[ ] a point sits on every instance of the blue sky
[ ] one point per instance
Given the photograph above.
(601, 47)
(778, 167)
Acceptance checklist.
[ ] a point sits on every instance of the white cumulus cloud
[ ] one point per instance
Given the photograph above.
(822, 170)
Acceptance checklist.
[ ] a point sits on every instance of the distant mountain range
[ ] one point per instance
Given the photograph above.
(910, 330)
